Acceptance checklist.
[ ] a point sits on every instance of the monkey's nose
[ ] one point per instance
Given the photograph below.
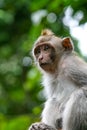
(40, 58)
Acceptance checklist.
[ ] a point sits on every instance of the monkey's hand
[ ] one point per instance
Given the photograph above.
(40, 126)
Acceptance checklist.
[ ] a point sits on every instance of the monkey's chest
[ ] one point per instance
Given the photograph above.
(58, 100)
(62, 89)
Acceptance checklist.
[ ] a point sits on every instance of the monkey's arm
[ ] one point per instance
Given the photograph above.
(75, 113)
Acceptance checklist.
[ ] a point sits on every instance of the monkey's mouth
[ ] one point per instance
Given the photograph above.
(44, 64)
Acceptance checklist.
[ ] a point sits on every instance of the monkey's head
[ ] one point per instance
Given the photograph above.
(48, 50)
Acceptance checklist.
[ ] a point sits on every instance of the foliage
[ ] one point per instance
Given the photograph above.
(21, 22)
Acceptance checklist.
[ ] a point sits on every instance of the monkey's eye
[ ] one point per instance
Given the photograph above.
(46, 47)
(37, 51)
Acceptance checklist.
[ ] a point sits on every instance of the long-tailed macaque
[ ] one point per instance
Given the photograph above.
(65, 84)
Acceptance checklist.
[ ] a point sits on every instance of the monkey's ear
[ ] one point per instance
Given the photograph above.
(67, 43)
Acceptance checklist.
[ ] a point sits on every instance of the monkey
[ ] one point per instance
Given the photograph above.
(65, 83)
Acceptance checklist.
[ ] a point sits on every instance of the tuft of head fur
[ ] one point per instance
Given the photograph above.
(47, 32)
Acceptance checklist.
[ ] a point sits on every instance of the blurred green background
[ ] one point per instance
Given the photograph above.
(21, 21)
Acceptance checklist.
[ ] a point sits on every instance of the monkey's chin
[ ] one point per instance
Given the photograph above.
(44, 65)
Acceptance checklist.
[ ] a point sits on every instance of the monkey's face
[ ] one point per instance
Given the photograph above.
(48, 50)
(45, 56)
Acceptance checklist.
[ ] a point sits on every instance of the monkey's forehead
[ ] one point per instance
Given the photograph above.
(49, 39)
